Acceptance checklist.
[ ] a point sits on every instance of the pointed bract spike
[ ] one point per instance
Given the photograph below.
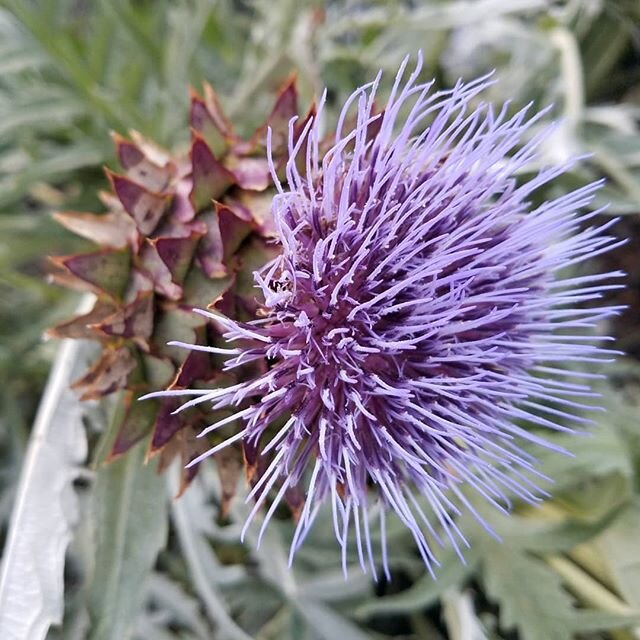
(139, 167)
(129, 154)
(234, 229)
(145, 207)
(166, 425)
(137, 422)
(177, 253)
(211, 248)
(111, 201)
(196, 366)
(225, 303)
(108, 374)
(63, 278)
(80, 327)
(257, 206)
(181, 208)
(301, 124)
(285, 108)
(105, 271)
(151, 150)
(183, 444)
(115, 230)
(166, 261)
(166, 454)
(210, 178)
(134, 320)
(205, 117)
(187, 473)
(158, 272)
(215, 109)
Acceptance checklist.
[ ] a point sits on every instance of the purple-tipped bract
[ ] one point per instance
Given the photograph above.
(417, 321)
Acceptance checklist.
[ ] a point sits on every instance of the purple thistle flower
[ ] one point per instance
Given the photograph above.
(416, 322)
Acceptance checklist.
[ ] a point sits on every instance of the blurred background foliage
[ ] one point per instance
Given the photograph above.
(72, 71)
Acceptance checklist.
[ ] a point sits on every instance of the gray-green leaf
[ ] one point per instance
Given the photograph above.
(530, 595)
(31, 584)
(131, 527)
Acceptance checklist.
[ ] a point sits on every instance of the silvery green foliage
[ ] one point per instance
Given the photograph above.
(45, 509)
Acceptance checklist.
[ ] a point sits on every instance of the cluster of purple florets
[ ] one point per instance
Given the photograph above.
(417, 321)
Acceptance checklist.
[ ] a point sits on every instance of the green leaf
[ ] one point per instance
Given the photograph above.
(530, 595)
(46, 509)
(131, 528)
